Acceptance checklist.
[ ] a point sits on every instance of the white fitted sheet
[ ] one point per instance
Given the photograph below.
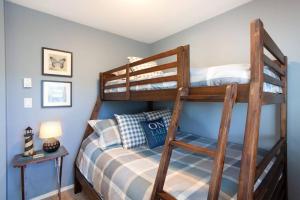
(211, 76)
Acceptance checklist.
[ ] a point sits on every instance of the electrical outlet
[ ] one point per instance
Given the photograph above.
(27, 102)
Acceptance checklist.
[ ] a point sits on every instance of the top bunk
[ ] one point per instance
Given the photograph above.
(158, 77)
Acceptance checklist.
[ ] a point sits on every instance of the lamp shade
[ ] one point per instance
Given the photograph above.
(50, 129)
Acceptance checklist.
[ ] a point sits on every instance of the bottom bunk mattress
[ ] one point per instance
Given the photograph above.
(119, 173)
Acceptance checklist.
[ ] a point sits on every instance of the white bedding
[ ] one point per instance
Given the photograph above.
(211, 76)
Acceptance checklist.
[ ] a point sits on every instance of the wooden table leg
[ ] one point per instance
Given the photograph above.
(22, 182)
(60, 175)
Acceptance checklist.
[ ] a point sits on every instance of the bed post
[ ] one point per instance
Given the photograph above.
(183, 66)
(248, 162)
(89, 130)
(127, 83)
(283, 124)
(77, 185)
(150, 105)
(97, 106)
(101, 85)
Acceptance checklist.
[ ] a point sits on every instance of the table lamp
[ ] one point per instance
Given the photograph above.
(49, 131)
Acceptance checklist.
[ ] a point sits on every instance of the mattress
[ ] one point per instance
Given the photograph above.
(119, 173)
(211, 76)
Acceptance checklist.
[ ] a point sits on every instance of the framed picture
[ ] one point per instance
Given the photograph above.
(56, 62)
(56, 94)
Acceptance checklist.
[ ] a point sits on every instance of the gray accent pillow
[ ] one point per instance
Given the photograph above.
(108, 131)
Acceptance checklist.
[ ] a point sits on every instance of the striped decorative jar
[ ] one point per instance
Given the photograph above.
(28, 136)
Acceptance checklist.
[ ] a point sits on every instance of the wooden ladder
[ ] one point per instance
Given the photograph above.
(218, 154)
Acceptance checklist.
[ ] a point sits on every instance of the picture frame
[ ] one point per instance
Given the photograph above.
(57, 62)
(56, 94)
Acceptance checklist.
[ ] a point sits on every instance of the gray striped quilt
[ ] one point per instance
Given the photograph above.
(119, 173)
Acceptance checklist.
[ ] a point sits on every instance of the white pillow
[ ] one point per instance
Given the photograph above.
(108, 131)
(118, 73)
(132, 59)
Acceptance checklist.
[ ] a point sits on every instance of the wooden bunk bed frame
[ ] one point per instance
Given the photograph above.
(274, 185)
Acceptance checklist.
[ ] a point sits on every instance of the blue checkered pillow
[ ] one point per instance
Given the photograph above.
(131, 131)
(165, 114)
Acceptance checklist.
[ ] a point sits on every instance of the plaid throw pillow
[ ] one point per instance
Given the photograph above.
(131, 132)
(108, 131)
(165, 114)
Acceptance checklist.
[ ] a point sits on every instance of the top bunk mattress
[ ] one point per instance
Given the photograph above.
(119, 173)
(200, 77)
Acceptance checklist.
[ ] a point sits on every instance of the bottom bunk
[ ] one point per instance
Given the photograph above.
(119, 173)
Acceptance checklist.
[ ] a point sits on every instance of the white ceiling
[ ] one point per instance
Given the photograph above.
(142, 20)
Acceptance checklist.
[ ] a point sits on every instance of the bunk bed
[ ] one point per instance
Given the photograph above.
(272, 165)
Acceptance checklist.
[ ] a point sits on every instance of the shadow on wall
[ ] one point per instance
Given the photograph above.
(293, 128)
(109, 108)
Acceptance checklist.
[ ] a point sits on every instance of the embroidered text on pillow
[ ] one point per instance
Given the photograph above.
(155, 132)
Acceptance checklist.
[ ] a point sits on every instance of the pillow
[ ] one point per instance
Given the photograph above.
(131, 131)
(165, 114)
(118, 73)
(155, 132)
(143, 66)
(108, 131)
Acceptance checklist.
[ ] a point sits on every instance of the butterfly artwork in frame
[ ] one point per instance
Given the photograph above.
(57, 62)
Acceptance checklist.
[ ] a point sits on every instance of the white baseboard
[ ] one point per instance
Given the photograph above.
(52, 193)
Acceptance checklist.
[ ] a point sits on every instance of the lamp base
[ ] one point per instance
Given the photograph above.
(51, 145)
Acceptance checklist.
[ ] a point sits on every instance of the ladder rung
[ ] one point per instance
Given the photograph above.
(201, 97)
(166, 196)
(194, 148)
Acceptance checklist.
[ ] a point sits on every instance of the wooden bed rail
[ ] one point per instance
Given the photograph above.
(124, 72)
(268, 158)
(278, 66)
(267, 187)
(260, 41)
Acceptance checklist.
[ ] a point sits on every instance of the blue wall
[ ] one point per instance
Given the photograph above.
(225, 39)
(2, 108)
(93, 51)
(221, 40)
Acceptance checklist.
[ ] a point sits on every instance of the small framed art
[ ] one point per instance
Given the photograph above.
(57, 62)
(56, 94)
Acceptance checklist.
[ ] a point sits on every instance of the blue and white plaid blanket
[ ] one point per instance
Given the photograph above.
(119, 173)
